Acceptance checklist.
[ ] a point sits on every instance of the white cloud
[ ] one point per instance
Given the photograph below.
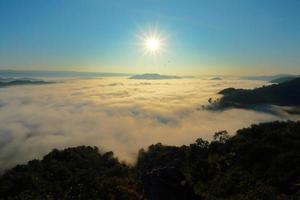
(115, 114)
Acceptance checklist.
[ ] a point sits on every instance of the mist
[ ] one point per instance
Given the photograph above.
(115, 114)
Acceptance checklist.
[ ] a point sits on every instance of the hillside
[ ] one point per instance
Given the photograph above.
(283, 94)
(283, 79)
(260, 162)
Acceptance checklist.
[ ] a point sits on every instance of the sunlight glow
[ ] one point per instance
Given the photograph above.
(152, 44)
(152, 41)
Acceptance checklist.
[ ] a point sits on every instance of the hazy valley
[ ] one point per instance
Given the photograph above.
(116, 113)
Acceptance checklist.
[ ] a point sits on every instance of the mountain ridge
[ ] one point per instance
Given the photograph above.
(153, 76)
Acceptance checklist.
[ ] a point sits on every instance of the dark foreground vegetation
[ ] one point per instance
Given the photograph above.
(258, 163)
(283, 94)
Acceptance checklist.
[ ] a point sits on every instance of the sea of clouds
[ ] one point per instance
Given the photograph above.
(116, 114)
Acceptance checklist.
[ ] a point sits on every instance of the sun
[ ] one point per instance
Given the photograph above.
(152, 44)
(152, 41)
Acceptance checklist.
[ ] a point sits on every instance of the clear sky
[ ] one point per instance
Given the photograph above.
(202, 36)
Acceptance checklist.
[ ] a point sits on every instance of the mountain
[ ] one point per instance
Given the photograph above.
(153, 77)
(283, 79)
(282, 94)
(260, 162)
(266, 78)
(5, 82)
(216, 79)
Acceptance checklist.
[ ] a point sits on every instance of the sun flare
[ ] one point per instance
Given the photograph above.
(152, 44)
(152, 41)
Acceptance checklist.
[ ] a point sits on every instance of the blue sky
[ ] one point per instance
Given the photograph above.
(204, 36)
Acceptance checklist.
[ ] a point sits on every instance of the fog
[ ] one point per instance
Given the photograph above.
(115, 114)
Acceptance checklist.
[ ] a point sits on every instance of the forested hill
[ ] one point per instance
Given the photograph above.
(282, 94)
(283, 79)
(6, 82)
(260, 162)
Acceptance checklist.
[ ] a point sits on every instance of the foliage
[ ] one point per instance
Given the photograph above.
(74, 173)
(260, 162)
(282, 94)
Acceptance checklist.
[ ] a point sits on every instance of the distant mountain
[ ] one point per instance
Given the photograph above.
(153, 77)
(187, 76)
(266, 78)
(283, 94)
(216, 79)
(32, 74)
(283, 79)
(5, 82)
